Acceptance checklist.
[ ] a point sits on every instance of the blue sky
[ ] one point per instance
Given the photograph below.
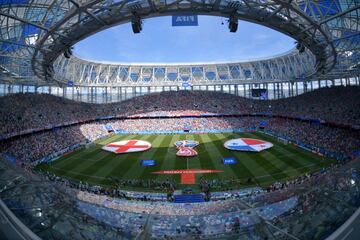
(159, 42)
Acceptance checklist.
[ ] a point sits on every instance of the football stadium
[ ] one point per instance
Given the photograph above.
(221, 119)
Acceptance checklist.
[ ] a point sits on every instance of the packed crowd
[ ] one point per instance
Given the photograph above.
(337, 105)
(332, 196)
(33, 111)
(34, 147)
(317, 193)
(174, 225)
(23, 112)
(337, 140)
(172, 113)
(179, 124)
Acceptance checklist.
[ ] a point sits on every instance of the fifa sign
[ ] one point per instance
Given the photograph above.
(184, 20)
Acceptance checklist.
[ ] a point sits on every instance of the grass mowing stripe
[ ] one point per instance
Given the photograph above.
(270, 167)
(301, 156)
(307, 156)
(129, 160)
(168, 161)
(111, 162)
(91, 163)
(180, 162)
(283, 151)
(90, 167)
(283, 160)
(95, 165)
(270, 163)
(216, 152)
(113, 138)
(158, 155)
(135, 169)
(281, 156)
(204, 160)
(103, 162)
(79, 161)
(254, 167)
(71, 157)
(204, 157)
(268, 182)
(239, 170)
(81, 154)
(194, 162)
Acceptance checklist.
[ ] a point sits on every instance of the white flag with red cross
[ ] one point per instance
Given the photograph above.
(127, 146)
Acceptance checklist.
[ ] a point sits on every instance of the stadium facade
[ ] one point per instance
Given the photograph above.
(34, 34)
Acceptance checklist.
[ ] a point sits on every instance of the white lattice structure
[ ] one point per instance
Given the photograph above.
(35, 33)
(289, 66)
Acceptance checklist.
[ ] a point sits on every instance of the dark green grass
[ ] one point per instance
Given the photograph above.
(96, 166)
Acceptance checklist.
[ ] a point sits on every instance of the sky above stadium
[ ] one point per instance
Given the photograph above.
(159, 42)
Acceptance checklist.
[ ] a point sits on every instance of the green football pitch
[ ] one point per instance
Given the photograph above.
(96, 166)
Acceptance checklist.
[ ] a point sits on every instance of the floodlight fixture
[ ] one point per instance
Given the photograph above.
(233, 22)
(136, 23)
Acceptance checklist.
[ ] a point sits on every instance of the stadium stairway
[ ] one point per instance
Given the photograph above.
(189, 198)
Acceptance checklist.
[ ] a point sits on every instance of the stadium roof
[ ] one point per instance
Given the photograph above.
(35, 33)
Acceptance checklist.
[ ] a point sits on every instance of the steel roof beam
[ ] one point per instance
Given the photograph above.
(285, 16)
(23, 21)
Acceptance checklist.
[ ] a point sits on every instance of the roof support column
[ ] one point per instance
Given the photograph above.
(72, 93)
(110, 92)
(274, 94)
(118, 94)
(289, 88)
